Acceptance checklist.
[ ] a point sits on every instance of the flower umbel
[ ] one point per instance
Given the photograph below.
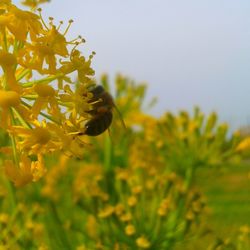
(39, 105)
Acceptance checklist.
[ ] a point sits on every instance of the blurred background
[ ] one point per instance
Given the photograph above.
(189, 52)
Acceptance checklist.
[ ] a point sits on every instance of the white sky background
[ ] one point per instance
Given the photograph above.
(190, 52)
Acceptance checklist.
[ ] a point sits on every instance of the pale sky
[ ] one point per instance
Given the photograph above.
(190, 52)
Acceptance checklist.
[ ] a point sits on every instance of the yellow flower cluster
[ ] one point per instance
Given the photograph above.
(139, 201)
(40, 107)
(136, 191)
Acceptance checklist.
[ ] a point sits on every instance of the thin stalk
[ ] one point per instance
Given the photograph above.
(107, 154)
(13, 142)
(44, 80)
(21, 120)
(30, 97)
(5, 41)
(23, 74)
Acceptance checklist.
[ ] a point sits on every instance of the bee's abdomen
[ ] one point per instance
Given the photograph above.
(98, 124)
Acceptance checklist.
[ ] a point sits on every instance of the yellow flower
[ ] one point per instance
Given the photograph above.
(190, 215)
(45, 49)
(80, 99)
(132, 201)
(142, 242)
(33, 110)
(38, 168)
(8, 62)
(8, 100)
(137, 189)
(106, 212)
(79, 64)
(21, 23)
(91, 227)
(40, 139)
(244, 145)
(25, 172)
(130, 229)
(245, 229)
(164, 207)
(119, 209)
(122, 174)
(4, 218)
(126, 217)
(46, 96)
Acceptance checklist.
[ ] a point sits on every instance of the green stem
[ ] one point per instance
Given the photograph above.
(57, 224)
(13, 141)
(30, 97)
(189, 177)
(44, 80)
(107, 154)
(23, 74)
(5, 41)
(21, 120)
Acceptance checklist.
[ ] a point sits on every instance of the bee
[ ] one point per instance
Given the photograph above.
(102, 112)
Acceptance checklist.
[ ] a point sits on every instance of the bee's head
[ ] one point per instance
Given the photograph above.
(97, 90)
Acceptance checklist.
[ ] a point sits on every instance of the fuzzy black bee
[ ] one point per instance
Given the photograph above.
(102, 112)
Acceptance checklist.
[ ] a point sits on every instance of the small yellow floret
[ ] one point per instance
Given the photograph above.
(132, 201)
(7, 59)
(41, 135)
(143, 242)
(9, 99)
(244, 144)
(106, 212)
(130, 229)
(4, 218)
(245, 229)
(126, 217)
(44, 90)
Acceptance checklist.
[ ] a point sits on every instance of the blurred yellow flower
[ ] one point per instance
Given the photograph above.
(130, 229)
(106, 212)
(243, 145)
(26, 172)
(91, 227)
(143, 242)
(4, 218)
(132, 201)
